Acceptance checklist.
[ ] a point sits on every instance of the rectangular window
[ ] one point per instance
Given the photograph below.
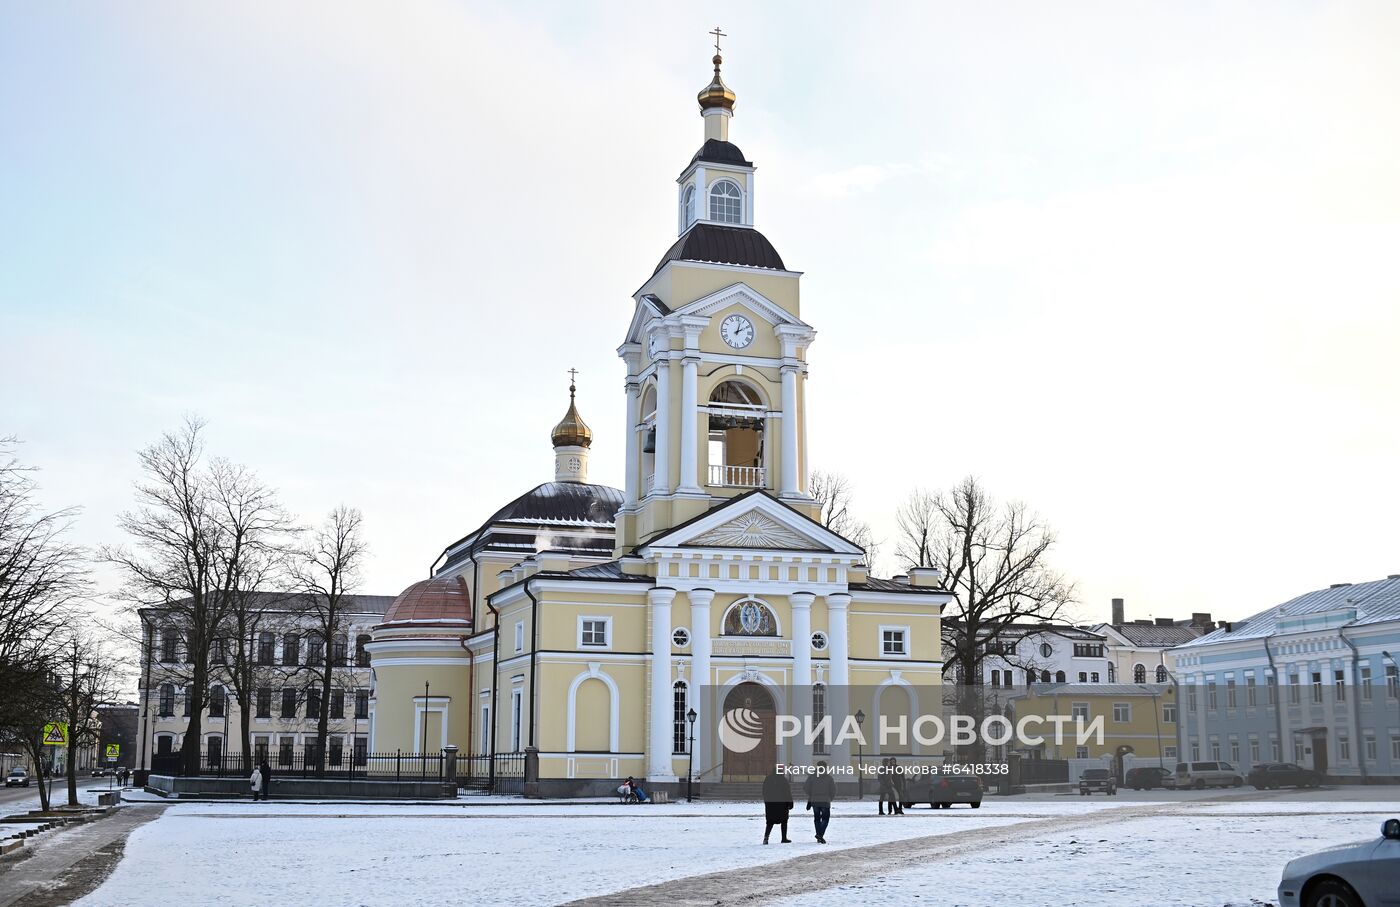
(267, 647)
(1215, 750)
(593, 632)
(1195, 752)
(1234, 750)
(1293, 695)
(819, 712)
(361, 653)
(338, 648)
(678, 706)
(361, 704)
(315, 651)
(284, 751)
(1369, 743)
(1122, 712)
(1250, 693)
(1081, 752)
(1006, 680)
(169, 645)
(291, 649)
(189, 697)
(520, 636)
(361, 751)
(1395, 749)
(892, 642)
(485, 729)
(1191, 697)
(167, 700)
(1169, 753)
(1298, 751)
(1275, 748)
(218, 701)
(1088, 650)
(1080, 711)
(1169, 713)
(1366, 684)
(1254, 750)
(1392, 682)
(313, 703)
(264, 703)
(1083, 676)
(1344, 749)
(335, 750)
(1094, 677)
(1211, 701)
(1316, 686)
(259, 750)
(337, 709)
(1339, 685)
(289, 703)
(517, 697)
(1230, 694)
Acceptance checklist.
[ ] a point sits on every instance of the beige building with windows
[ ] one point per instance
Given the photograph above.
(582, 623)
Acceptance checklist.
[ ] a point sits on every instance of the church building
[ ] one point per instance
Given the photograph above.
(582, 624)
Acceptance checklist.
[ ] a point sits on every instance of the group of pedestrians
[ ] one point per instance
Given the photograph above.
(820, 789)
(261, 781)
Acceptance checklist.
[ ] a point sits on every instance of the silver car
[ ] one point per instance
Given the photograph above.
(1366, 874)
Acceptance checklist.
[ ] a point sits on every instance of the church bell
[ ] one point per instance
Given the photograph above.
(649, 442)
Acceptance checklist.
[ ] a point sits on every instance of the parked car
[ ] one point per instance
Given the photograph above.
(18, 777)
(1283, 774)
(1148, 778)
(1097, 779)
(1352, 875)
(950, 789)
(102, 772)
(1207, 774)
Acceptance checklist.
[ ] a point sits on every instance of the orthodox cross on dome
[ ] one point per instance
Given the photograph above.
(573, 373)
(718, 34)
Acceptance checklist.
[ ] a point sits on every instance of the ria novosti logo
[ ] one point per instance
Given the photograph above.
(740, 730)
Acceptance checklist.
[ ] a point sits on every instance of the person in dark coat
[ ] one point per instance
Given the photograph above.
(777, 803)
(266, 771)
(891, 787)
(821, 790)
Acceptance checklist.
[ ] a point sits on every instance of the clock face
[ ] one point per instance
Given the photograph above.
(652, 346)
(737, 331)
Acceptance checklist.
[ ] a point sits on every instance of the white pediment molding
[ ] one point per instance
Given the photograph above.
(754, 522)
(746, 296)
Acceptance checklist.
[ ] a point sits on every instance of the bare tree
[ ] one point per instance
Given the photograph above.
(833, 491)
(32, 700)
(993, 557)
(200, 533)
(87, 677)
(327, 570)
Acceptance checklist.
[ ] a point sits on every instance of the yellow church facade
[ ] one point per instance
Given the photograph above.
(598, 629)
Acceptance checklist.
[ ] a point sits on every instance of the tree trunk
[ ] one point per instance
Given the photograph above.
(323, 723)
(36, 753)
(194, 731)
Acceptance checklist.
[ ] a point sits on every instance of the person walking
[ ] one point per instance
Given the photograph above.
(890, 787)
(777, 803)
(821, 790)
(266, 771)
(257, 782)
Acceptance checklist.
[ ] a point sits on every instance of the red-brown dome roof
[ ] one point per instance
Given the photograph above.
(442, 598)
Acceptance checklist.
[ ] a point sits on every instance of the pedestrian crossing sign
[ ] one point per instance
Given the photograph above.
(55, 734)
(114, 750)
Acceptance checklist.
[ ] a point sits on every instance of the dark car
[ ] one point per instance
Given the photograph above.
(1148, 778)
(942, 790)
(1283, 774)
(1097, 779)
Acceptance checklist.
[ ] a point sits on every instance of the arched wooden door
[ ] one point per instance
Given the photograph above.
(755, 764)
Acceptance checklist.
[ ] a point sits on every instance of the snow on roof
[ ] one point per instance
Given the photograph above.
(1374, 602)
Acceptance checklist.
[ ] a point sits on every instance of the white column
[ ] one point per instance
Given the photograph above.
(690, 447)
(659, 728)
(789, 466)
(838, 698)
(801, 602)
(634, 459)
(662, 472)
(705, 708)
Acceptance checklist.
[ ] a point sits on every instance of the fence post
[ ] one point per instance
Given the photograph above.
(398, 765)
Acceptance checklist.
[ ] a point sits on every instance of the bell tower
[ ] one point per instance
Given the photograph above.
(716, 352)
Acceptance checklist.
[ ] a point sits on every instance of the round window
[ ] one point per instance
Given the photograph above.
(1045, 649)
(681, 637)
(819, 641)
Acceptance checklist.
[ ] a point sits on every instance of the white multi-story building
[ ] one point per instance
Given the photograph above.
(1038, 653)
(287, 656)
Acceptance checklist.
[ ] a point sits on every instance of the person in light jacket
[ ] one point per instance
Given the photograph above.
(257, 782)
(777, 803)
(821, 790)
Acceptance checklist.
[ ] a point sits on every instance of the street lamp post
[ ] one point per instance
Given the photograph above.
(860, 757)
(690, 749)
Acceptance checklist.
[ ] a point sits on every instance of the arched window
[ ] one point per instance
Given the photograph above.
(996, 678)
(818, 713)
(291, 649)
(736, 436)
(361, 656)
(726, 203)
(1139, 674)
(648, 445)
(1030, 678)
(1111, 673)
(688, 206)
(1059, 676)
(749, 618)
(218, 702)
(679, 704)
(1044, 676)
(167, 700)
(1161, 673)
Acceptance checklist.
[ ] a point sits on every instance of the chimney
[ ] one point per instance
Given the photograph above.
(1201, 619)
(1164, 622)
(1117, 611)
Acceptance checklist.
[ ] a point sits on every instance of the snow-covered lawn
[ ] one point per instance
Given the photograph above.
(353, 854)
(1199, 861)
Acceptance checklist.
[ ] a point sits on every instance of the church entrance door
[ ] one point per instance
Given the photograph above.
(756, 763)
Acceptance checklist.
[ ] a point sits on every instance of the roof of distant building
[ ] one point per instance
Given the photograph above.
(552, 509)
(952, 624)
(1154, 636)
(1374, 602)
(287, 601)
(1101, 689)
(439, 599)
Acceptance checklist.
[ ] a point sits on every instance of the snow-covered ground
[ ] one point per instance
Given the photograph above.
(540, 853)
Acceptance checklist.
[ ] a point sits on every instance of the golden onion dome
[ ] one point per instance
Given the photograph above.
(571, 430)
(716, 94)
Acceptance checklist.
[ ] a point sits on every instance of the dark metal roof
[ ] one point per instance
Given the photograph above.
(723, 245)
(294, 601)
(716, 152)
(573, 502)
(1156, 636)
(875, 584)
(612, 570)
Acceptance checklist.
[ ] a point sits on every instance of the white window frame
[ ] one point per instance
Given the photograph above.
(520, 636)
(1127, 712)
(607, 643)
(905, 641)
(710, 197)
(517, 707)
(1169, 713)
(1079, 710)
(674, 633)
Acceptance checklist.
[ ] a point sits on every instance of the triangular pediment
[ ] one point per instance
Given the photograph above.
(757, 522)
(740, 294)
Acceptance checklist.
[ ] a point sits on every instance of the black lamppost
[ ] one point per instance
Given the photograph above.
(690, 748)
(860, 757)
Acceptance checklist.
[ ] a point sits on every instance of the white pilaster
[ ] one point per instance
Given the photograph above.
(659, 727)
(700, 679)
(634, 459)
(661, 483)
(789, 484)
(801, 638)
(690, 447)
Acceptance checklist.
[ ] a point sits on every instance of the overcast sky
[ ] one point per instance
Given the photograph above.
(1135, 265)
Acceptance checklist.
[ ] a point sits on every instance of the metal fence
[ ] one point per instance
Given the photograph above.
(351, 765)
(1044, 771)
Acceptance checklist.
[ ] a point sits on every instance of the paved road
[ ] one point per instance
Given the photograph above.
(19, 799)
(60, 866)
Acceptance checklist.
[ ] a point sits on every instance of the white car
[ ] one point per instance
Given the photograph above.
(1366, 874)
(18, 777)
